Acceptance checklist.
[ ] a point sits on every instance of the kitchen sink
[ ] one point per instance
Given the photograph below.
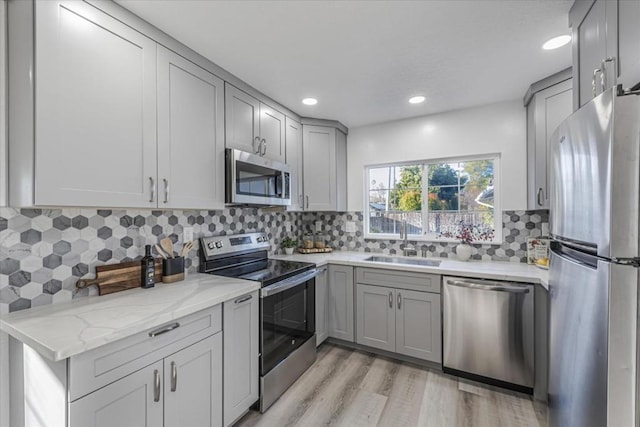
(410, 261)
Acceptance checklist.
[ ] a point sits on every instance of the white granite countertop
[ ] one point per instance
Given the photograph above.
(496, 270)
(63, 330)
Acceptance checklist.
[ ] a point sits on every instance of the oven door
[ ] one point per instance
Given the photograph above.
(252, 179)
(288, 318)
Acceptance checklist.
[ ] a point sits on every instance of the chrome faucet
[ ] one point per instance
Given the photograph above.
(408, 250)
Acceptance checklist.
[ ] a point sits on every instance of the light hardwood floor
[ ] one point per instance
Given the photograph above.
(354, 388)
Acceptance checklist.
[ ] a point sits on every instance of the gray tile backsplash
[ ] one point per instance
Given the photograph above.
(44, 252)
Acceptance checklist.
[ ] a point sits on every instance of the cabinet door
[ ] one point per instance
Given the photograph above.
(376, 317)
(135, 400)
(341, 302)
(193, 385)
(590, 48)
(552, 106)
(190, 135)
(272, 133)
(418, 330)
(319, 167)
(628, 41)
(242, 120)
(240, 320)
(322, 307)
(294, 161)
(95, 108)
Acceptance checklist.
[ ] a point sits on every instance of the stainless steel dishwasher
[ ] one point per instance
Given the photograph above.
(488, 332)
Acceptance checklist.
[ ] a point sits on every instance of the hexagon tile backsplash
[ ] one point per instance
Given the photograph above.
(43, 252)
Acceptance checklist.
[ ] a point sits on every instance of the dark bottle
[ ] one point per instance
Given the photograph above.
(148, 268)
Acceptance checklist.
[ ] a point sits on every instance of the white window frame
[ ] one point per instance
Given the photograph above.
(431, 237)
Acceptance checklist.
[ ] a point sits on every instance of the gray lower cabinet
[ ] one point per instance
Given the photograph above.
(167, 376)
(322, 306)
(341, 302)
(399, 320)
(240, 319)
(182, 389)
(131, 400)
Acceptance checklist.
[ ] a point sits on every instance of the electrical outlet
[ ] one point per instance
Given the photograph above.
(318, 226)
(350, 227)
(187, 234)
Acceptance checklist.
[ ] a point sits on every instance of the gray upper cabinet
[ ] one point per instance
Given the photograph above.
(95, 108)
(546, 109)
(341, 302)
(190, 135)
(119, 120)
(242, 120)
(324, 168)
(606, 42)
(294, 160)
(253, 126)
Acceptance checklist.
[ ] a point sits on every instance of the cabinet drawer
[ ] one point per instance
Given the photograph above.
(101, 366)
(423, 282)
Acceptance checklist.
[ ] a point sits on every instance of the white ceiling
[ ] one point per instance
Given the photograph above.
(364, 59)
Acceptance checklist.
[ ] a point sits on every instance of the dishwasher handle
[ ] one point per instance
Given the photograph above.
(485, 287)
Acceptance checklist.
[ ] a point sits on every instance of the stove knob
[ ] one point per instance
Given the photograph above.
(218, 245)
(259, 239)
(211, 246)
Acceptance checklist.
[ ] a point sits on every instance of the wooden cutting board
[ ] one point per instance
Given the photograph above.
(119, 277)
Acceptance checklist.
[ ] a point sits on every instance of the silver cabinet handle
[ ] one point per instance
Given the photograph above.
(156, 385)
(164, 330)
(390, 299)
(399, 300)
(166, 190)
(593, 81)
(152, 189)
(307, 201)
(484, 287)
(263, 143)
(603, 75)
(539, 196)
(256, 150)
(301, 200)
(174, 376)
(243, 299)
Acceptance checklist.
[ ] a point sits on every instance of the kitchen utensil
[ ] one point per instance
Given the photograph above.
(186, 248)
(160, 251)
(119, 277)
(167, 245)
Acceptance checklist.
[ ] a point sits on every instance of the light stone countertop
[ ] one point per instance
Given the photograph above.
(59, 331)
(495, 270)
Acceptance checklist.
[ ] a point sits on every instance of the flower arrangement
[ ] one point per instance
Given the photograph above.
(468, 233)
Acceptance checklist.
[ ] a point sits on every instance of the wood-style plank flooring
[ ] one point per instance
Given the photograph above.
(347, 387)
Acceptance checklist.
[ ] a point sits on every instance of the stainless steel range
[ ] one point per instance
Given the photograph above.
(287, 306)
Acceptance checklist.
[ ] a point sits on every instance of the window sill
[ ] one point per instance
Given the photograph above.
(497, 241)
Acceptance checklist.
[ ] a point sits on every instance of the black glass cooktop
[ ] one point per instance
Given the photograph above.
(266, 271)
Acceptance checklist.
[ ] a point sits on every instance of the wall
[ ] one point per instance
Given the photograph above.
(43, 252)
(496, 128)
(517, 226)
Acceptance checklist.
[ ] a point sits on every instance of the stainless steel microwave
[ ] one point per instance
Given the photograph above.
(255, 180)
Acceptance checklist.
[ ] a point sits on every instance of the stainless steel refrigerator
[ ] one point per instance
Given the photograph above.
(593, 281)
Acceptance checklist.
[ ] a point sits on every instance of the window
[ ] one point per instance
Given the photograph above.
(434, 197)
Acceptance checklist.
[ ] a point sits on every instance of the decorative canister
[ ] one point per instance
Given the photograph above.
(463, 252)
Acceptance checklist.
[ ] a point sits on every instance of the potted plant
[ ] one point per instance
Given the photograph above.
(467, 233)
(289, 245)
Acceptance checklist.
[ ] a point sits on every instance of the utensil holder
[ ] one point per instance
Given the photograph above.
(173, 269)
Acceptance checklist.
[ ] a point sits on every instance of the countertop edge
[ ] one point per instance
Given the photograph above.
(67, 351)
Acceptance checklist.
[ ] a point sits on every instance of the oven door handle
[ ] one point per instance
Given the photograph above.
(289, 283)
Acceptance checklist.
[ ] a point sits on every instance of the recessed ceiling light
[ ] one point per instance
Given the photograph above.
(309, 101)
(556, 42)
(417, 99)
